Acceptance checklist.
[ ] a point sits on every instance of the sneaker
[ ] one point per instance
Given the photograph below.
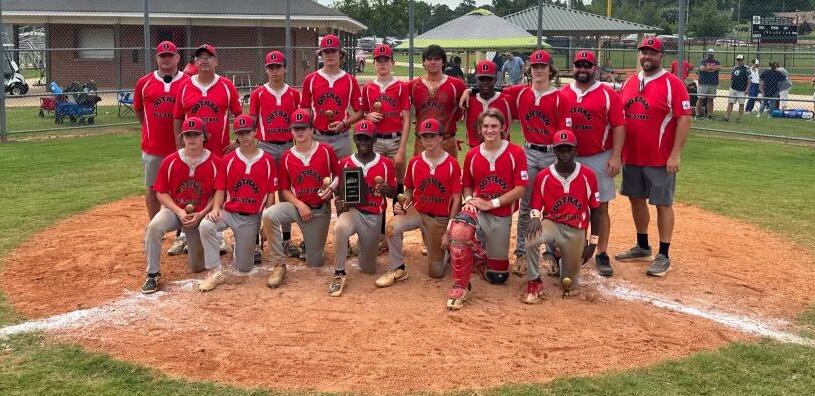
(424, 250)
(392, 277)
(215, 278)
(151, 283)
(302, 255)
(550, 262)
(179, 246)
(222, 245)
(534, 291)
(276, 278)
(636, 253)
(660, 266)
(519, 266)
(603, 265)
(457, 297)
(336, 286)
(290, 250)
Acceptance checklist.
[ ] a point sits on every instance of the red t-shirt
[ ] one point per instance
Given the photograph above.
(322, 92)
(213, 105)
(273, 111)
(568, 201)
(394, 99)
(477, 105)
(246, 181)
(650, 117)
(304, 174)
(433, 186)
(443, 105)
(379, 166)
(538, 113)
(490, 180)
(157, 134)
(687, 67)
(591, 115)
(186, 184)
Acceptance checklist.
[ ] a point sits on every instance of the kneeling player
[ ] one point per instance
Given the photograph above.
(184, 186)
(564, 197)
(494, 179)
(432, 197)
(365, 219)
(246, 183)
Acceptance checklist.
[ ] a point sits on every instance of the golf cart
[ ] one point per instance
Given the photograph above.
(14, 81)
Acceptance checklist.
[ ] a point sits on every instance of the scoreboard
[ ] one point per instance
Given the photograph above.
(779, 30)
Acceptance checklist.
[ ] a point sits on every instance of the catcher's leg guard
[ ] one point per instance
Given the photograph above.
(497, 271)
(461, 263)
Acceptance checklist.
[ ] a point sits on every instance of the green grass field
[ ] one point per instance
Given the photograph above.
(57, 180)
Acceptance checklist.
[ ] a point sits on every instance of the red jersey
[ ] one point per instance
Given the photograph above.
(393, 98)
(591, 115)
(478, 105)
(212, 104)
(273, 110)
(246, 181)
(651, 106)
(157, 134)
(303, 174)
(441, 105)
(380, 166)
(188, 183)
(686, 68)
(491, 179)
(433, 185)
(537, 112)
(568, 201)
(322, 92)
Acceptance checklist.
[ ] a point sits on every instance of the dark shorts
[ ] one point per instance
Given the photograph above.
(652, 182)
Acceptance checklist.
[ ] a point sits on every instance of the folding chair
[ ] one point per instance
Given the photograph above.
(125, 103)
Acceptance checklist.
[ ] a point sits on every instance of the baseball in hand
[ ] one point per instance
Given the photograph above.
(401, 198)
(189, 208)
(379, 180)
(378, 107)
(326, 181)
(330, 115)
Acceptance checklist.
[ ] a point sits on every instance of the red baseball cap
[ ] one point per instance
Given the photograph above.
(429, 125)
(193, 124)
(364, 127)
(330, 41)
(485, 68)
(166, 47)
(564, 136)
(208, 48)
(540, 57)
(300, 118)
(243, 123)
(383, 50)
(585, 56)
(652, 43)
(275, 58)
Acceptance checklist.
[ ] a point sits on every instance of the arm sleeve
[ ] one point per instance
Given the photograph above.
(138, 100)
(455, 178)
(234, 104)
(283, 182)
(178, 110)
(391, 174)
(366, 108)
(305, 97)
(162, 184)
(536, 201)
(520, 176)
(356, 96)
(409, 174)
(680, 100)
(615, 109)
(594, 194)
(296, 97)
(336, 170)
(254, 103)
(220, 178)
(466, 177)
(561, 109)
(404, 97)
(272, 182)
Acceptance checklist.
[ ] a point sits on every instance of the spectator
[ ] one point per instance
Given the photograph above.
(739, 83)
(514, 66)
(769, 82)
(784, 88)
(499, 62)
(754, 80)
(607, 71)
(708, 82)
(686, 69)
(454, 68)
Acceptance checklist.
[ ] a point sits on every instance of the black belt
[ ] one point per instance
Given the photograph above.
(277, 143)
(388, 135)
(315, 207)
(539, 147)
(329, 133)
(246, 213)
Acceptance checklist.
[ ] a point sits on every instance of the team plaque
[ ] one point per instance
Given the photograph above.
(353, 186)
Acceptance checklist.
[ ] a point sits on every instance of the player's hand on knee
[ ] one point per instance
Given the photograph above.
(398, 209)
(214, 215)
(305, 212)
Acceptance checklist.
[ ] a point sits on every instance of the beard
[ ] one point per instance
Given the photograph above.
(582, 77)
(648, 66)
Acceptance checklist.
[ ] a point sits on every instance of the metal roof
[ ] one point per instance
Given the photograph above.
(562, 21)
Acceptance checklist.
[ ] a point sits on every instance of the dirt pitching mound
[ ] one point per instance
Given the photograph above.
(399, 338)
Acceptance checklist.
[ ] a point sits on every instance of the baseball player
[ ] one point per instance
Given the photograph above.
(184, 186)
(432, 197)
(494, 178)
(157, 90)
(329, 92)
(271, 106)
(486, 98)
(362, 219)
(246, 184)
(564, 200)
(593, 111)
(436, 96)
(657, 121)
(302, 174)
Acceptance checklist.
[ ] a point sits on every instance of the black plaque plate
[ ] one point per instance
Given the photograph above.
(353, 186)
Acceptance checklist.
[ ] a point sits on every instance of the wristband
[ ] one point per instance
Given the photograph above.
(594, 239)
(535, 214)
(496, 203)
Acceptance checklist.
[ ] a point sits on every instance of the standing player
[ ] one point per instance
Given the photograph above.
(329, 92)
(246, 184)
(593, 111)
(564, 200)
(494, 178)
(157, 90)
(486, 98)
(432, 197)
(271, 106)
(657, 121)
(436, 96)
(364, 219)
(302, 172)
(184, 186)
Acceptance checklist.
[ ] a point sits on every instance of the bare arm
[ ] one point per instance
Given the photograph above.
(139, 116)
(615, 162)
(682, 131)
(177, 129)
(168, 203)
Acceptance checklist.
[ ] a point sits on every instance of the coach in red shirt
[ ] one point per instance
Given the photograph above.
(657, 120)
(153, 101)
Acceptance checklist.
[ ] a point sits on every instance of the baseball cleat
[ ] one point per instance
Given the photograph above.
(519, 266)
(458, 295)
(660, 266)
(534, 291)
(179, 246)
(257, 256)
(215, 278)
(336, 285)
(383, 245)
(290, 250)
(603, 265)
(550, 262)
(151, 283)
(276, 277)
(636, 253)
(392, 277)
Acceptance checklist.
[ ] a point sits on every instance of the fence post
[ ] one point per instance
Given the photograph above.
(411, 32)
(3, 133)
(289, 58)
(540, 23)
(680, 42)
(147, 63)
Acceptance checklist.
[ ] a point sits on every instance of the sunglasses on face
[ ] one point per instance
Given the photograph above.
(583, 65)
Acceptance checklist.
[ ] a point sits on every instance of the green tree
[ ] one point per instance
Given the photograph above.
(707, 21)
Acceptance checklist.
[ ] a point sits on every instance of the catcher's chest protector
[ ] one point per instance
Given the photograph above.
(464, 247)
